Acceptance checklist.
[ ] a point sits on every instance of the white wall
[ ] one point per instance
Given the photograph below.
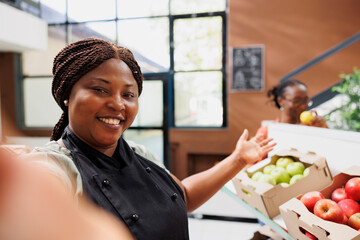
(20, 31)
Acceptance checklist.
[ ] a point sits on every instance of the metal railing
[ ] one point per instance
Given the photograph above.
(323, 56)
(327, 93)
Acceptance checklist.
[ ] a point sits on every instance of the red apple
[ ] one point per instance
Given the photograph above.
(328, 210)
(309, 235)
(352, 188)
(354, 221)
(339, 194)
(349, 207)
(310, 198)
(345, 220)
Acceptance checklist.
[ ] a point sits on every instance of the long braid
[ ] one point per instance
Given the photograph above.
(60, 126)
(79, 58)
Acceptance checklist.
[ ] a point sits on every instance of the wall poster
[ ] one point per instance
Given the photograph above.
(248, 68)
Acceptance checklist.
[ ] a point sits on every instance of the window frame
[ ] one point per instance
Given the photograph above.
(223, 70)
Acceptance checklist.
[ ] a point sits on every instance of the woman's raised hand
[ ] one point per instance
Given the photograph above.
(252, 150)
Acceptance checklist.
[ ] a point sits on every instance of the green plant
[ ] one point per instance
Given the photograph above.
(347, 116)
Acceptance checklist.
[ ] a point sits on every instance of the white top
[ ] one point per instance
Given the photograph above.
(59, 162)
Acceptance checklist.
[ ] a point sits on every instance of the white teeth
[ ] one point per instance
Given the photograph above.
(112, 121)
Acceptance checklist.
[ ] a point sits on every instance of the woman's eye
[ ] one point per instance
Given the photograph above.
(129, 95)
(100, 90)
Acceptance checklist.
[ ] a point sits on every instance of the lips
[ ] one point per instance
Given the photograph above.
(111, 120)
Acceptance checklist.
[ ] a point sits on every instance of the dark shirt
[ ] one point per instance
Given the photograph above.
(137, 191)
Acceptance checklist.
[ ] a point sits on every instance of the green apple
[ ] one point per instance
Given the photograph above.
(280, 175)
(295, 178)
(306, 172)
(268, 169)
(283, 161)
(283, 184)
(267, 178)
(256, 176)
(295, 168)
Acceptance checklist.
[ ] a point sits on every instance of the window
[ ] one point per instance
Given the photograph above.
(179, 44)
(198, 71)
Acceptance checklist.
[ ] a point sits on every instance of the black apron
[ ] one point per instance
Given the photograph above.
(139, 192)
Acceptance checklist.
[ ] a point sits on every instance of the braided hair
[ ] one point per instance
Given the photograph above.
(278, 91)
(76, 60)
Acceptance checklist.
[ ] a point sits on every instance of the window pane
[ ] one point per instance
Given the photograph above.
(90, 10)
(198, 43)
(128, 8)
(148, 39)
(151, 103)
(153, 140)
(53, 11)
(39, 63)
(198, 99)
(40, 108)
(196, 6)
(103, 30)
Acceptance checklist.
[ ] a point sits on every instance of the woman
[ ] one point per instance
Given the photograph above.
(292, 98)
(97, 85)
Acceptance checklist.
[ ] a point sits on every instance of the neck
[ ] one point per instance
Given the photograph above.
(108, 151)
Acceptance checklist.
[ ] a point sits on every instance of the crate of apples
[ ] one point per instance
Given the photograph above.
(286, 171)
(285, 175)
(336, 208)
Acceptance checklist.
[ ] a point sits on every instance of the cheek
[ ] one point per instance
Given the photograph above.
(80, 108)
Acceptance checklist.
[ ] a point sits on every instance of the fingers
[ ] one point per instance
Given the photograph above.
(315, 112)
(266, 147)
(244, 135)
(257, 138)
(318, 121)
(265, 142)
(269, 147)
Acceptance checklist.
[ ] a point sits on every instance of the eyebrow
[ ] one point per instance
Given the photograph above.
(101, 80)
(108, 82)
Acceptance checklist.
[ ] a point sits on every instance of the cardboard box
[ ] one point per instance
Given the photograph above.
(267, 198)
(296, 216)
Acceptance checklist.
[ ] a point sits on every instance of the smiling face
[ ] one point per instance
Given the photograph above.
(103, 104)
(294, 101)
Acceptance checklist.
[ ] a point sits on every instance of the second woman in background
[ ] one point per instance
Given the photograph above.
(292, 98)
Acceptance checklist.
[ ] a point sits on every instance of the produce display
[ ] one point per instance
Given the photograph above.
(343, 207)
(286, 171)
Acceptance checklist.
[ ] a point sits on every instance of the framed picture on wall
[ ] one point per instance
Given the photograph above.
(247, 68)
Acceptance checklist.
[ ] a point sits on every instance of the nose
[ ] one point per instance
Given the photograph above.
(116, 103)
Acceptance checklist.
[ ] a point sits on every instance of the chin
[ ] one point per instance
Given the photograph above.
(109, 141)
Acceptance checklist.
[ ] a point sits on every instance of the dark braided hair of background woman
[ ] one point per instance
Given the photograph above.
(79, 58)
(278, 91)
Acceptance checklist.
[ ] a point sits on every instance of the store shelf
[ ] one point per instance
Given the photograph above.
(275, 223)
